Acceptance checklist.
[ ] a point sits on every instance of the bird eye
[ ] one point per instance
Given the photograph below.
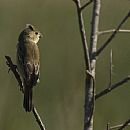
(36, 33)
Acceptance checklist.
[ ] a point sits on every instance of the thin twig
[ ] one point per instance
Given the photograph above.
(114, 86)
(38, 119)
(121, 126)
(113, 30)
(108, 126)
(13, 68)
(83, 35)
(124, 125)
(86, 4)
(112, 35)
(111, 69)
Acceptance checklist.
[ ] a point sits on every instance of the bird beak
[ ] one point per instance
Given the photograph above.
(40, 35)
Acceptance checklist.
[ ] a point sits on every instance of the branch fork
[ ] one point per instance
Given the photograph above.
(90, 57)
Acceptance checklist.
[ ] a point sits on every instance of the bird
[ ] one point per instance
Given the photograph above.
(28, 62)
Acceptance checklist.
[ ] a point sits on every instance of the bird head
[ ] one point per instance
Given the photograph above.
(30, 34)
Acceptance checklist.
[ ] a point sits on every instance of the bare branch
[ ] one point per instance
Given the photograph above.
(114, 86)
(113, 30)
(13, 68)
(108, 126)
(111, 69)
(86, 4)
(90, 81)
(89, 84)
(112, 35)
(124, 125)
(38, 119)
(121, 126)
(83, 35)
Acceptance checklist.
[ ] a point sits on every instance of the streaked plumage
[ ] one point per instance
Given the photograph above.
(28, 62)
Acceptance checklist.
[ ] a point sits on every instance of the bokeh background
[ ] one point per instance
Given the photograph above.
(59, 97)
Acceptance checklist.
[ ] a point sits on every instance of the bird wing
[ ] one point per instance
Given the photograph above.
(28, 56)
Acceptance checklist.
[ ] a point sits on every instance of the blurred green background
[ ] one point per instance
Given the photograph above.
(59, 97)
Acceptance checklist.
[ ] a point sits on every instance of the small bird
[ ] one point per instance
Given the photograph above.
(28, 62)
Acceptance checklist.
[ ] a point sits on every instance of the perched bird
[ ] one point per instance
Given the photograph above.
(28, 62)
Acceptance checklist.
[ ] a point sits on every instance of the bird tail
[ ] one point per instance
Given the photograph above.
(27, 102)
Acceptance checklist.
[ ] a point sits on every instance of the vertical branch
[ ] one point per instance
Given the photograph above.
(111, 69)
(94, 29)
(88, 82)
(90, 61)
(108, 126)
(83, 34)
(89, 79)
(90, 92)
